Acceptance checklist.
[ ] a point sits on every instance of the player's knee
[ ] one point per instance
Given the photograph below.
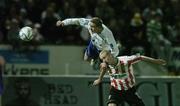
(86, 57)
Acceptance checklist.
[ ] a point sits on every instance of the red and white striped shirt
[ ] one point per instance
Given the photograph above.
(121, 75)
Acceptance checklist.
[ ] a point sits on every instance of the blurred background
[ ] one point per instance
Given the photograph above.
(51, 66)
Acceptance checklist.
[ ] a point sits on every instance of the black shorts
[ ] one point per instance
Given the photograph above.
(130, 96)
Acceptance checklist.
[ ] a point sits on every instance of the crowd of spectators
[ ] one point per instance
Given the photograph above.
(136, 24)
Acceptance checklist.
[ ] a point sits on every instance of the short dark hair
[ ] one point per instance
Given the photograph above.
(97, 21)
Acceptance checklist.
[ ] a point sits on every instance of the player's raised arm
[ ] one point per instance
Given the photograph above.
(70, 21)
(152, 60)
(73, 21)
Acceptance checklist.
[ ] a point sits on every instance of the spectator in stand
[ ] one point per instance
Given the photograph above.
(115, 11)
(160, 46)
(148, 11)
(137, 39)
(103, 9)
(13, 31)
(48, 27)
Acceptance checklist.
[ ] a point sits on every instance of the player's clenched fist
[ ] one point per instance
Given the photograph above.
(161, 61)
(97, 82)
(59, 23)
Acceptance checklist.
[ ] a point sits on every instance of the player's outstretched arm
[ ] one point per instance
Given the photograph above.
(69, 21)
(152, 60)
(59, 23)
(103, 69)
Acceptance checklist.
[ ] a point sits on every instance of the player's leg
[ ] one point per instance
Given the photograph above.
(91, 52)
(92, 55)
(115, 97)
(132, 98)
(86, 57)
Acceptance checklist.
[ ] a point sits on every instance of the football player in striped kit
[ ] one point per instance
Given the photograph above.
(122, 79)
(101, 36)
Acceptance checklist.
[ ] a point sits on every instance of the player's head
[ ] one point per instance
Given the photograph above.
(22, 87)
(106, 57)
(96, 25)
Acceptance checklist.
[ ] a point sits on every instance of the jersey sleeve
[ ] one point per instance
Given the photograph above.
(77, 21)
(133, 59)
(84, 22)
